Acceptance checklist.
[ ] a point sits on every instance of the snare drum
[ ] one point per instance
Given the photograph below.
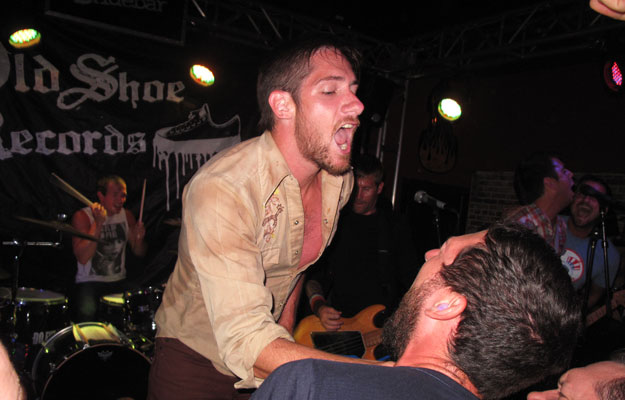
(38, 314)
(90, 360)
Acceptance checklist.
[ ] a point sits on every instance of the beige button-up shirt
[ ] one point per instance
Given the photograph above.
(238, 254)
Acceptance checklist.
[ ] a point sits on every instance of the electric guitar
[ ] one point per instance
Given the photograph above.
(358, 336)
(618, 299)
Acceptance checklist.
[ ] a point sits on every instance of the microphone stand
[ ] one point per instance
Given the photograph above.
(606, 270)
(590, 258)
(595, 235)
(437, 225)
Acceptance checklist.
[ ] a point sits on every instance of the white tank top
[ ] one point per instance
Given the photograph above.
(108, 264)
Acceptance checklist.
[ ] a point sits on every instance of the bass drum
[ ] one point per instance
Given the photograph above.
(90, 360)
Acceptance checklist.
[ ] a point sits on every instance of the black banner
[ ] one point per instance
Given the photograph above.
(87, 102)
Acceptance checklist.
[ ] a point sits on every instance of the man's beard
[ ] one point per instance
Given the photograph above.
(309, 143)
(399, 328)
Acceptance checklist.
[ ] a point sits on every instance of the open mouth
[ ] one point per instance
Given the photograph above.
(344, 135)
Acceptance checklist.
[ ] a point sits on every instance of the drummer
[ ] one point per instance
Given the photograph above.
(102, 264)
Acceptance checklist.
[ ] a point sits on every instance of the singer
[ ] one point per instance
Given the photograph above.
(544, 187)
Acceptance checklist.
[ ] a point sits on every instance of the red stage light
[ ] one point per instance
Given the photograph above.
(613, 75)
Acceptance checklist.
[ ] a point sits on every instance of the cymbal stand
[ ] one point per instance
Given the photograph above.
(18, 351)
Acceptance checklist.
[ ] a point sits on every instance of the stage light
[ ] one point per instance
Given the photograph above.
(24, 38)
(613, 74)
(202, 75)
(445, 101)
(449, 109)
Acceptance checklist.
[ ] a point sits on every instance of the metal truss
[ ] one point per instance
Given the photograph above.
(549, 28)
(259, 25)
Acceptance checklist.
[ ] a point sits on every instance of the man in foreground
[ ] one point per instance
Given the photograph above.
(489, 314)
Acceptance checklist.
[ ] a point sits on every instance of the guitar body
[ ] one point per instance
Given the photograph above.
(618, 299)
(358, 337)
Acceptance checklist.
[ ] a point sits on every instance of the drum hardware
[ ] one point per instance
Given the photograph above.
(26, 312)
(132, 311)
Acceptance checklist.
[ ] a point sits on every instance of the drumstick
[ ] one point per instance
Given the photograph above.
(60, 183)
(142, 201)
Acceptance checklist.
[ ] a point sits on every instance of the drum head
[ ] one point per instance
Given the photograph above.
(107, 369)
(31, 295)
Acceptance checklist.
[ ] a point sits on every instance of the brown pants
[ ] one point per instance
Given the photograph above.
(178, 372)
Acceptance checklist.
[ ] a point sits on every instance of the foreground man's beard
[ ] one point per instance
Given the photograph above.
(398, 328)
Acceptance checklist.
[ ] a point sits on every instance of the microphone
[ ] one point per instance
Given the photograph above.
(422, 197)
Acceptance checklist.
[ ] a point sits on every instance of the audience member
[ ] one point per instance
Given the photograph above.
(598, 381)
(580, 232)
(488, 315)
(544, 188)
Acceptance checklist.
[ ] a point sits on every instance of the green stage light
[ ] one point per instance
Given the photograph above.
(202, 75)
(449, 109)
(25, 38)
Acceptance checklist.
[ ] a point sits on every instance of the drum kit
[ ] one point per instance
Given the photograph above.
(55, 358)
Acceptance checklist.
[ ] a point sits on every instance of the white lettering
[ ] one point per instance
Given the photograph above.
(134, 88)
(88, 142)
(69, 138)
(20, 81)
(39, 76)
(88, 138)
(96, 79)
(147, 91)
(116, 136)
(149, 5)
(173, 88)
(136, 143)
(18, 140)
(102, 85)
(41, 142)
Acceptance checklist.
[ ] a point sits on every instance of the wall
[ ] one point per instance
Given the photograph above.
(492, 195)
(560, 106)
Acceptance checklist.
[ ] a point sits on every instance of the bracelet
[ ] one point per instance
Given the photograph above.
(316, 301)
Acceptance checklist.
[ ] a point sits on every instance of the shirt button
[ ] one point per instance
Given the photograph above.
(325, 221)
(296, 252)
(296, 222)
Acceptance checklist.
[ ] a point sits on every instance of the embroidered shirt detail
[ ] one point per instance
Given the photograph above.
(273, 208)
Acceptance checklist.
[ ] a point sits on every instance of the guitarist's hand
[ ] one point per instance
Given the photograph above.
(330, 318)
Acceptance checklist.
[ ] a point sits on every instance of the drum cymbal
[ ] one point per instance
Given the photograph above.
(59, 226)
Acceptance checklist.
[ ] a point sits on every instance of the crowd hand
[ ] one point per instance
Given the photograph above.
(99, 213)
(330, 318)
(610, 8)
